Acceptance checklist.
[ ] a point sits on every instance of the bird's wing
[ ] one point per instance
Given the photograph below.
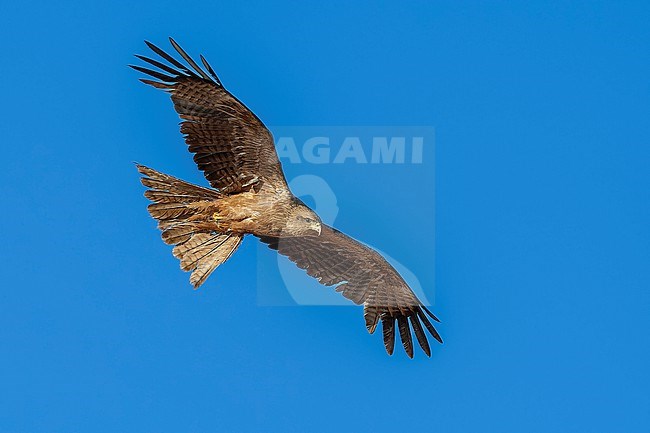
(365, 277)
(230, 144)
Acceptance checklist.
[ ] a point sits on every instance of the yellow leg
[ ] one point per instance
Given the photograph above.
(217, 219)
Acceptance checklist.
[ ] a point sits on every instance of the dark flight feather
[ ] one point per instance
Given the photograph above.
(405, 335)
(429, 326)
(157, 64)
(388, 330)
(419, 334)
(430, 314)
(156, 84)
(154, 74)
(170, 59)
(188, 59)
(210, 70)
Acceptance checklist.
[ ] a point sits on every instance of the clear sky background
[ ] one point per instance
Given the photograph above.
(542, 243)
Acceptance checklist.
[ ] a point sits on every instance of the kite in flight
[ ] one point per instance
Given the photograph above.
(250, 195)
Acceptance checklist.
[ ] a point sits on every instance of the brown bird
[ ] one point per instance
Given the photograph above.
(250, 195)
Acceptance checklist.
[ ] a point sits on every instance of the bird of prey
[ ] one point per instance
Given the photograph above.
(250, 195)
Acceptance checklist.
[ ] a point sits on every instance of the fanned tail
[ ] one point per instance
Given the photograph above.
(180, 207)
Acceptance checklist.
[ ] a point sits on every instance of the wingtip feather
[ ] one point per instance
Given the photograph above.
(429, 326)
(420, 335)
(210, 70)
(188, 59)
(388, 331)
(430, 313)
(405, 335)
(170, 59)
(156, 84)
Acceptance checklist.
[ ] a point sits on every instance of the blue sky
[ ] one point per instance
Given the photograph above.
(540, 247)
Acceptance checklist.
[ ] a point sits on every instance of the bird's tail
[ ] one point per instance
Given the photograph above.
(180, 209)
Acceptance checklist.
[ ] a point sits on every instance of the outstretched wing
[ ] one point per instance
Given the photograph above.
(364, 277)
(230, 144)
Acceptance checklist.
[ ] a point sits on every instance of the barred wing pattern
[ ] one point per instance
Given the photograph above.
(230, 144)
(365, 277)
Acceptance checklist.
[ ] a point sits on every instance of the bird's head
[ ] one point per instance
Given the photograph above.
(302, 221)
